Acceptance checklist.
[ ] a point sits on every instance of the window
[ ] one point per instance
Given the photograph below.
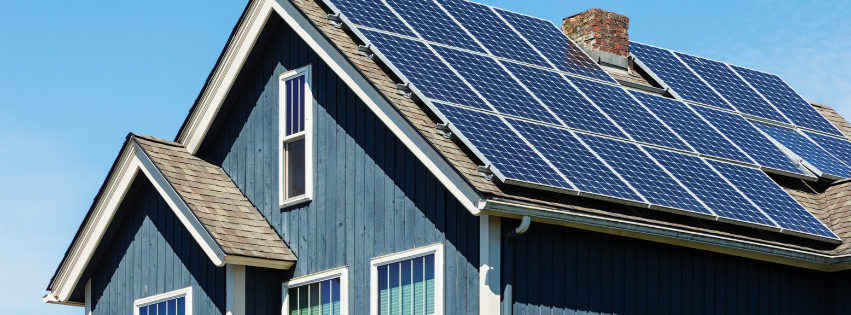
(324, 293)
(408, 283)
(178, 302)
(296, 158)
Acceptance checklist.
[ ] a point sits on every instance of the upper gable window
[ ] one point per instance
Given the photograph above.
(296, 128)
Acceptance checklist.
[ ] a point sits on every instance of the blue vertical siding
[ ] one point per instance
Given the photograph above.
(153, 253)
(560, 270)
(372, 196)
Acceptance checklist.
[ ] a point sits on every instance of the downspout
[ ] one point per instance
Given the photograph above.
(508, 264)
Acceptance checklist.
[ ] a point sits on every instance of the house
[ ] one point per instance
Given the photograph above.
(324, 169)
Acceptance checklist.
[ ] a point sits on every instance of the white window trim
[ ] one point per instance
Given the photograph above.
(307, 134)
(185, 292)
(436, 249)
(342, 273)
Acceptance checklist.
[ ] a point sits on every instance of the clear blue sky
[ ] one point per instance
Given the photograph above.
(77, 76)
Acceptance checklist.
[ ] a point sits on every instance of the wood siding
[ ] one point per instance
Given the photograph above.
(372, 196)
(560, 270)
(153, 253)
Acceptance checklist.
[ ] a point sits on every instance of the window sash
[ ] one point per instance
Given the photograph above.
(407, 287)
(295, 138)
(318, 298)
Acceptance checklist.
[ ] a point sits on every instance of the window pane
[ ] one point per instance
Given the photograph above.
(383, 290)
(407, 287)
(295, 171)
(325, 299)
(429, 283)
(303, 300)
(295, 101)
(143, 310)
(181, 306)
(419, 286)
(289, 108)
(335, 296)
(293, 296)
(407, 300)
(171, 306)
(315, 307)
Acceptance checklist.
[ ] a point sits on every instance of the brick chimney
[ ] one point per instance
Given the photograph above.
(602, 34)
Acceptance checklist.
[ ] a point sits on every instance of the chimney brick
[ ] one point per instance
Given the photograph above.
(599, 29)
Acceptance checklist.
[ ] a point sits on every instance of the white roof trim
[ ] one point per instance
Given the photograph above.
(244, 39)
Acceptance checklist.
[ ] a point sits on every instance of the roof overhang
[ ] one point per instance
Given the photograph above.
(131, 162)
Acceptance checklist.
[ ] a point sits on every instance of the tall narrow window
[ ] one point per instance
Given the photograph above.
(408, 283)
(296, 105)
(318, 294)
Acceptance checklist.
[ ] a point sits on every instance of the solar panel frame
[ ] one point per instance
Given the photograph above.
(496, 85)
(676, 75)
(692, 128)
(432, 23)
(644, 174)
(639, 123)
(816, 158)
(373, 14)
(569, 105)
(733, 88)
(496, 36)
(419, 65)
(710, 187)
(773, 200)
(787, 100)
(554, 45)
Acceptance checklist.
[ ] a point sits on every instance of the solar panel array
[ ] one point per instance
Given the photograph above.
(535, 108)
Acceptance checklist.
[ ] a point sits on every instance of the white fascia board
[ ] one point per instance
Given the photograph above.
(244, 40)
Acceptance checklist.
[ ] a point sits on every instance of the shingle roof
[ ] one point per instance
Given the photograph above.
(233, 222)
(465, 163)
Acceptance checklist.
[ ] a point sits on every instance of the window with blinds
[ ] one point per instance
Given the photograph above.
(171, 307)
(319, 298)
(407, 287)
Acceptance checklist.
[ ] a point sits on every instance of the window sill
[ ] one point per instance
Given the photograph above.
(295, 201)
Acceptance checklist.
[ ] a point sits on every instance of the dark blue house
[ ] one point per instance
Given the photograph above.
(447, 157)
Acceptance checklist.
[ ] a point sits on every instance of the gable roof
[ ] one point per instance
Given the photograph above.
(224, 223)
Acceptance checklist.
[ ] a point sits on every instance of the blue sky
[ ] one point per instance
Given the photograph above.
(77, 76)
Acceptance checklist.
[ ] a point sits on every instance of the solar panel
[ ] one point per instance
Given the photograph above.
(709, 187)
(574, 160)
(554, 45)
(672, 71)
(629, 114)
(731, 87)
(839, 148)
(496, 85)
(424, 69)
(772, 199)
(786, 100)
(747, 137)
(492, 32)
(807, 150)
(374, 14)
(564, 100)
(502, 147)
(650, 180)
(691, 127)
(433, 24)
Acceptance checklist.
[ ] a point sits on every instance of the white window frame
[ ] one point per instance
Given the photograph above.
(185, 292)
(342, 273)
(307, 135)
(436, 249)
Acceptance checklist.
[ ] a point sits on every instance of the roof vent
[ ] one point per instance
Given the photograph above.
(602, 34)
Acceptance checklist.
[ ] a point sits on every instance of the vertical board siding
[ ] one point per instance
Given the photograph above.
(560, 270)
(372, 197)
(153, 253)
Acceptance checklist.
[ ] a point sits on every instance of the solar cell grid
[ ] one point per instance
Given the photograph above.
(839, 148)
(492, 32)
(636, 167)
(424, 69)
(673, 72)
(709, 187)
(374, 14)
(629, 114)
(787, 100)
(433, 24)
(807, 150)
(733, 88)
(775, 202)
(564, 100)
(691, 127)
(574, 160)
(555, 46)
(747, 137)
(496, 85)
(502, 147)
